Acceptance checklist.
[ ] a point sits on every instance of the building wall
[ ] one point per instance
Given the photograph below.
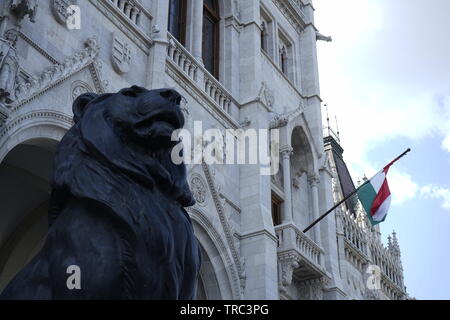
(245, 255)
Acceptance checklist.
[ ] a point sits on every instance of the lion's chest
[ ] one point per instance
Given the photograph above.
(167, 246)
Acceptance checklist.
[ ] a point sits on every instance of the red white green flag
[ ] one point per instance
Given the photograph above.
(375, 195)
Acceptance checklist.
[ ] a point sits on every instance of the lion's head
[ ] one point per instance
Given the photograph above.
(125, 134)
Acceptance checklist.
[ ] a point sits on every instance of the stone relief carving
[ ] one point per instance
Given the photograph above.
(266, 95)
(184, 106)
(198, 188)
(9, 66)
(296, 181)
(224, 221)
(60, 10)
(287, 263)
(312, 289)
(78, 88)
(316, 289)
(122, 55)
(280, 120)
(22, 8)
(4, 113)
(243, 276)
(58, 72)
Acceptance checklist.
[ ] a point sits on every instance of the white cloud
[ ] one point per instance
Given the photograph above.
(401, 184)
(436, 192)
(378, 77)
(402, 187)
(446, 143)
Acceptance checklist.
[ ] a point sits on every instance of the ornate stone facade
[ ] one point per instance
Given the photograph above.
(46, 65)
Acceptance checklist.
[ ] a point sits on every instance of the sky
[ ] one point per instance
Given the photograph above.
(386, 77)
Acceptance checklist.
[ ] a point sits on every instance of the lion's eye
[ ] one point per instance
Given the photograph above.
(130, 93)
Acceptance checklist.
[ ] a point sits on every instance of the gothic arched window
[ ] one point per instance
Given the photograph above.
(210, 44)
(283, 60)
(264, 36)
(177, 20)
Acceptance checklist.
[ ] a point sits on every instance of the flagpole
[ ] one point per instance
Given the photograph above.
(350, 194)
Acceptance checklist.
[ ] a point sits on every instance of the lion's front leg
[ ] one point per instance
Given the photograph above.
(85, 259)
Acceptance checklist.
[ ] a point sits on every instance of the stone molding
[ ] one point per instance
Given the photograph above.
(53, 75)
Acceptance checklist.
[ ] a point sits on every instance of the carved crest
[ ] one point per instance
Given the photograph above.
(122, 55)
(266, 95)
(60, 9)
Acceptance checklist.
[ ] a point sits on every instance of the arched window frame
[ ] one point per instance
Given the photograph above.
(286, 55)
(284, 59)
(212, 13)
(177, 19)
(267, 33)
(264, 36)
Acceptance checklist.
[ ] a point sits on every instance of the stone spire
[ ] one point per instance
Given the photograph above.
(393, 246)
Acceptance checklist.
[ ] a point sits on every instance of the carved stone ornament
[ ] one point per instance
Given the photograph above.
(4, 113)
(121, 55)
(22, 8)
(296, 181)
(280, 120)
(51, 75)
(78, 88)
(198, 188)
(266, 95)
(312, 289)
(9, 66)
(61, 11)
(184, 106)
(287, 263)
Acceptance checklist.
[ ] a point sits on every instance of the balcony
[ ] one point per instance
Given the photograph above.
(198, 78)
(297, 251)
(131, 17)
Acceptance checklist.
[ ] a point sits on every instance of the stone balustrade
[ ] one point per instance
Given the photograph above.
(130, 8)
(185, 62)
(359, 246)
(354, 233)
(290, 237)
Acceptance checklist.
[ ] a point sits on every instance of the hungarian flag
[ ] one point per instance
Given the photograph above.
(375, 195)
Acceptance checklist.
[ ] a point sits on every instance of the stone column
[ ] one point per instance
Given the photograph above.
(258, 240)
(313, 182)
(197, 30)
(157, 58)
(286, 152)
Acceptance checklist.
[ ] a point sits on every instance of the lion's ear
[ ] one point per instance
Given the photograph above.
(80, 104)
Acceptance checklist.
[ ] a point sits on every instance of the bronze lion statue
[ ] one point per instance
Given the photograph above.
(116, 211)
